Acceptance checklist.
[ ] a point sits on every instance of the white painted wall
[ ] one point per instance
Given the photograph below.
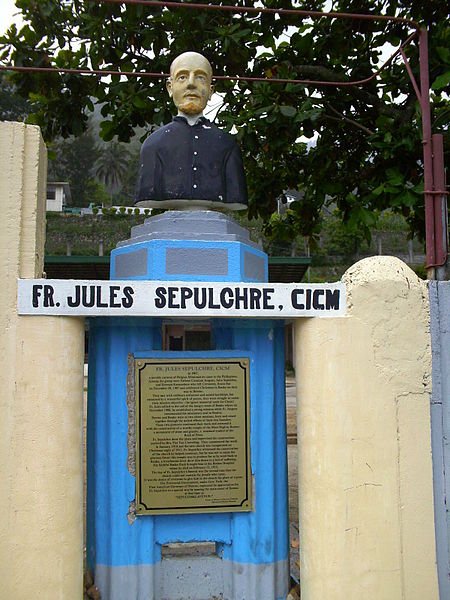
(55, 204)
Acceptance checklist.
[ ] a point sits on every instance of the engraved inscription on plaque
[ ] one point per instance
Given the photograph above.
(192, 435)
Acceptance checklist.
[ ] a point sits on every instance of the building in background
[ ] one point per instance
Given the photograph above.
(58, 195)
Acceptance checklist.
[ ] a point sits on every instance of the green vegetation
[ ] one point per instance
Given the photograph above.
(111, 166)
(335, 251)
(98, 173)
(364, 152)
(71, 160)
(13, 107)
(84, 233)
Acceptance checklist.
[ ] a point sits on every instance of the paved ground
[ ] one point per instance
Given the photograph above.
(291, 416)
(291, 410)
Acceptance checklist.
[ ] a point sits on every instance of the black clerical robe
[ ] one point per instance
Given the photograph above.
(183, 162)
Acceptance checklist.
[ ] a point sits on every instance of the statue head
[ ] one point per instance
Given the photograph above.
(190, 83)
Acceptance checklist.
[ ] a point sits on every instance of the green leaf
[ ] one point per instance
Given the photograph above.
(311, 115)
(107, 130)
(139, 102)
(442, 81)
(407, 198)
(288, 111)
(395, 178)
(379, 190)
(444, 54)
(263, 109)
(45, 8)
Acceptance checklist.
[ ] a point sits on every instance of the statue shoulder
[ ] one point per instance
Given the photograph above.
(226, 138)
(154, 138)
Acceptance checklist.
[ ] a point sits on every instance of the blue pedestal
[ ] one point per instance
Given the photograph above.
(251, 558)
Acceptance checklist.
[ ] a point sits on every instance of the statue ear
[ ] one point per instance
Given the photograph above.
(169, 87)
(211, 92)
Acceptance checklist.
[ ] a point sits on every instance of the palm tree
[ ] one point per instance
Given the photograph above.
(111, 166)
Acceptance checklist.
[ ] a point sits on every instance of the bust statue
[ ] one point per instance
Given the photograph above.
(191, 163)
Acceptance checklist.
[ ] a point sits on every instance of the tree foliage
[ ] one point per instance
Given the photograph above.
(13, 107)
(111, 165)
(72, 160)
(364, 152)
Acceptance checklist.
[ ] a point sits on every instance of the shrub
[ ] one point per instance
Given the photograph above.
(420, 271)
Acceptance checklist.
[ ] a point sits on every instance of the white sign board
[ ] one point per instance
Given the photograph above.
(179, 299)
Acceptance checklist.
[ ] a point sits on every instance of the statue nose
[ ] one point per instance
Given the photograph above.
(191, 81)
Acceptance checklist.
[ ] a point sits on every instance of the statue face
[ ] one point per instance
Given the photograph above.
(190, 83)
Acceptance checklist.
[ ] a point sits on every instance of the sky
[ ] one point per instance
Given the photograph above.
(7, 10)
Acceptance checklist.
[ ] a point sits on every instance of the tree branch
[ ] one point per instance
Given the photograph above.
(389, 110)
(320, 72)
(408, 109)
(348, 120)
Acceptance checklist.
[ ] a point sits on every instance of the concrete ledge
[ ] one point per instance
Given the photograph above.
(189, 225)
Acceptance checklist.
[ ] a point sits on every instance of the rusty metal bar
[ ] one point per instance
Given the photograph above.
(101, 72)
(108, 72)
(439, 205)
(427, 154)
(411, 76)
(436, 228)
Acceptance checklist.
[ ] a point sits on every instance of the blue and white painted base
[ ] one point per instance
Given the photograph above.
(189, 246)
(252, 557)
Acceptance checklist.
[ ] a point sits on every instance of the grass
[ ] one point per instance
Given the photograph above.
(84, 233)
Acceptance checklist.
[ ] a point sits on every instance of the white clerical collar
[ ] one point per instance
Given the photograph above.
(191, 119)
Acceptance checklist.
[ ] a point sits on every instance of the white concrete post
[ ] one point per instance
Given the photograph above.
(365, 474)
(41, 399)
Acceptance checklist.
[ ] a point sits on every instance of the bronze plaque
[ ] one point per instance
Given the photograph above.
(192, 435)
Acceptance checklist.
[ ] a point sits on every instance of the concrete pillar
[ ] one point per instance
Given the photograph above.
(41, 382)
(410, 251)
(365, 474)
